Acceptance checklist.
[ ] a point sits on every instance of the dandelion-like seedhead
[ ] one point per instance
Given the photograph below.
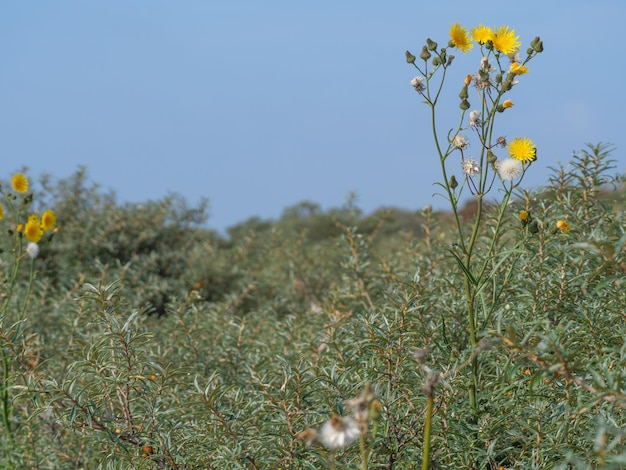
(470, 167)
(339, 432)
(460, 142)
(509, 169)
(418, 84)
(32, 250)
(474, 118)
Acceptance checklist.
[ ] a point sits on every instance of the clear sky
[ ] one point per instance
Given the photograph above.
(260, 105)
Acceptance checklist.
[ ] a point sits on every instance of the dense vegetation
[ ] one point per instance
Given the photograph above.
(144, 340)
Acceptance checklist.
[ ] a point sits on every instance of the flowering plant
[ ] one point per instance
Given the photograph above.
(19, 230)
(499, 70)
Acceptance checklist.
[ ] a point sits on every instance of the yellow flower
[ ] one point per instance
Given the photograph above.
(504, 40)
(523, 216)
(482, 34)
(523, 149)
(518, 69)
(33, 231)
(459, 38)
(19, 182)
(1, 212)
(562, 226)
(507, 104)
(48, 220)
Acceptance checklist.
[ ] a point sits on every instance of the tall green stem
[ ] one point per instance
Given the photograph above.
(427, 427)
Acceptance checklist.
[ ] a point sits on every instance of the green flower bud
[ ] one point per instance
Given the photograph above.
(500, 108)
(410, 58)
(499, 78)
(491, 157)
(453, 182)
(436, 61)
(463, 95)
(507, 84)
(425, 55)
(533, 227)
(432, 45)
(450, 59)
(537, 44)
(443, 55)
(465, 105)
(530, 51)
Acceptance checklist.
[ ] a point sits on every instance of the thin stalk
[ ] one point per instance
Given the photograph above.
(427, 429)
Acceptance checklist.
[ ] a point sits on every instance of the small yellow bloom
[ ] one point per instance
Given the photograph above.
(504, 40)
(562, 226)
(518, 69)
(482, 34)
(48, 220)
(523, 149)
(19, 183)
(459, 38)
(523, 216)
(1, 212)
(507, 104)
(33, 231)
(468, 80)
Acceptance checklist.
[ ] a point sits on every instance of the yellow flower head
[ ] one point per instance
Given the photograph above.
(19, 183)
(523, 216)
(518, 69)
(33, 231)
(507, 104)
(459, 38)
(1, 212)
(523, 149)
(562, 226)
(482, 34)
(48, 220)
(504, 40)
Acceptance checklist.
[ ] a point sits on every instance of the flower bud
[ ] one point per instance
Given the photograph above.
(425, 55)
(453, 182)
(443, 55)
(410, 58)
(436, 61)
(450, 59)
(432, 45)
(537, 44)
(465, 105)
(463, 95)
(499, 78)
(491, 157)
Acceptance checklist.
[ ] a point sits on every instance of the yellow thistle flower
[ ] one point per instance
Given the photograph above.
(504, 40)
(20, 227)
(523, 149)
(1, 212)
(507, 104)
(482, 34)
(459, 38)
(33, 231)
(562, 226)
(19, 183)
(48, 220)
(523, 216)
(518, 69)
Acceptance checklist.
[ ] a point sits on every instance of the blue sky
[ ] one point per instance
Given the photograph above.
(260, 105)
